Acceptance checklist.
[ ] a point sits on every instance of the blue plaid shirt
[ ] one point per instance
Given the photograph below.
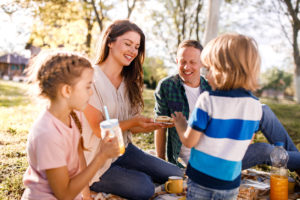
(170, 97)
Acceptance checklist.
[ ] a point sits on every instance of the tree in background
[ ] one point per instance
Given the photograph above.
(68, 23)
(154, 70)
(178, 21)
(276, 79)
(290, 9)
(71, 23)
(130, 7)
(58, 24)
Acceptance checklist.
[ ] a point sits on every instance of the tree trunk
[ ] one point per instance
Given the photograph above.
(295, 23)
(297, 69)
(99, 18)
(89, 25)
(199, 7)
(211, 27)
(130, 8)
(297, 87)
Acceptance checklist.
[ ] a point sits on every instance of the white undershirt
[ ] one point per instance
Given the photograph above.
(192, 95)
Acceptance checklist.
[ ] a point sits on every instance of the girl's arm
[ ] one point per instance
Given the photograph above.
(188, 136)
(65, 188)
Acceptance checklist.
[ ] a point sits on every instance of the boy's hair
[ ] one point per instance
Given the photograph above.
(190, 43)
(234, 60)
(133, 74)
(50, 69)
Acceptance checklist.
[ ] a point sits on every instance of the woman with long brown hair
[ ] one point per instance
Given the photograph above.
(118, 84)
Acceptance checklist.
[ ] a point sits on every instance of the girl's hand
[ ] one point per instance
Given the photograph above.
(180, 122)
(109, 146)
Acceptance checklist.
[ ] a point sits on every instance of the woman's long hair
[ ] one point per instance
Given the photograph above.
(133, 74)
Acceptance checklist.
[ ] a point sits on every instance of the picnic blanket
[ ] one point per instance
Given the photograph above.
(255, 185)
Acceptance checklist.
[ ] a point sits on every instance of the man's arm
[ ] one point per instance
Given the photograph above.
(160, 142)
(273, 130)
(161, 108)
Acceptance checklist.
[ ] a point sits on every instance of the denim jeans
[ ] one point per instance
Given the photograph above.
(196, 191)
(131, 175)
(259, 153)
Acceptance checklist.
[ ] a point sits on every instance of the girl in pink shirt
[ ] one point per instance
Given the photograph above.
(57, 168)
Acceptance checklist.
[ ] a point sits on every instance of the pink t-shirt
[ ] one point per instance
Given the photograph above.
(51, 144)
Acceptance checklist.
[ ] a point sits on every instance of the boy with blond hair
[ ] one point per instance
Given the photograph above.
(224, 120)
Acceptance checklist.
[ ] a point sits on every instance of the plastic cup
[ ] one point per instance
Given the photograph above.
(112, 125)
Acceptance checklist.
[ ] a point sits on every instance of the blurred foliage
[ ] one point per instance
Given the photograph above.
(154, 70)
(277, 79)
(59, 24)
(67, 23)
(180, 20)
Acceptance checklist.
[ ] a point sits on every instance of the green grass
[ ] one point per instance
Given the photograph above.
(18, 111)
(146, 140)
(12, 94)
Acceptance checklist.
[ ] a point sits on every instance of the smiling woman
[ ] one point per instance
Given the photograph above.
(118, 84)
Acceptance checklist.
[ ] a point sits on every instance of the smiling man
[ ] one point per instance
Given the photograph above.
(179, 93)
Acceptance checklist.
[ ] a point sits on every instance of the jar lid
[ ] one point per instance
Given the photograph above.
(278, 143)
(109, 123)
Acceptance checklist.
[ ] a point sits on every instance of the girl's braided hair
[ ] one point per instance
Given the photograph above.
(79, 126)
(51, 69)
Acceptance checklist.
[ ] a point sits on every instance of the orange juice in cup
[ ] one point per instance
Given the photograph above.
(112, 125)
(279, 187)
(122, 149)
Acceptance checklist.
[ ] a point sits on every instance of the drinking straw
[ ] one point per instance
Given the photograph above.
(106, 113)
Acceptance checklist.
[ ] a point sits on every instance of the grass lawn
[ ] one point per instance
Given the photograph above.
(17, 113)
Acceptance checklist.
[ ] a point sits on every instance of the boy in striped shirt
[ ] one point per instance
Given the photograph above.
(224, 120)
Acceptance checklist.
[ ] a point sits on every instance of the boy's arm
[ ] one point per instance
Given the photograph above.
(188, 136)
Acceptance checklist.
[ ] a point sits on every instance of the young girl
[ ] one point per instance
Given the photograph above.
(118, 84)
(57, 168)
(224, 120)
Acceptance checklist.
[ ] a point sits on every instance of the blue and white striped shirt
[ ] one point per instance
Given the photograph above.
(228, 120)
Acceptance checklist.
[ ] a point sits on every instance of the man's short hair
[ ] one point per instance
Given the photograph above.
(190, 43)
